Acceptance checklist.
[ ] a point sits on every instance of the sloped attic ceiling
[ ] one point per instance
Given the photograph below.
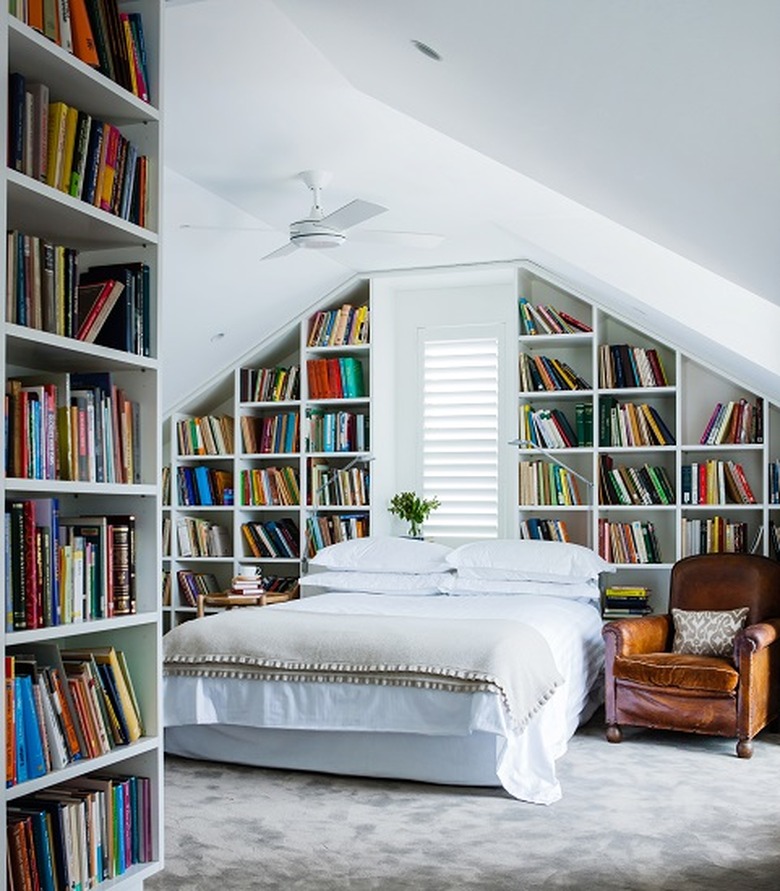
(633, 148)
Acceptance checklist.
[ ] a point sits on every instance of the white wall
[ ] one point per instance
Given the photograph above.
(402, 307)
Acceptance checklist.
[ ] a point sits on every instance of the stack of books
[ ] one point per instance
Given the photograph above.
(252, 585)
(626, 600)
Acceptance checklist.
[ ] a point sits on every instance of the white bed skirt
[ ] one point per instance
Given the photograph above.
(451, 760)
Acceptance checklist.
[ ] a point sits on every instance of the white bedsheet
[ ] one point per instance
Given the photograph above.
(525, 762)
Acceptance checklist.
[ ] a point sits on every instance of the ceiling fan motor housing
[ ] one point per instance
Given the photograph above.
(312, 234)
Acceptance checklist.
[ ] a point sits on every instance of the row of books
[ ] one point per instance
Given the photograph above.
(622, 365)
(322, 531)
(546, 483)
(547, 319)
(280, 384)
(551, 428)
(626, 600)
(64, 706)
(272, 538)
(337, 431)
(736, 421)
(96, 32)
(47, 291)
(336, 378)
(192, 584)
(63, 570)
(337, 486)
(202, 485)
(345, 326)
(208, 435)
(715, 482)
(633, 542)
(539, 372)
(774, 482)
(647, 484)
(270, 434)
(279, 586)
(544, 529)
(196, 537)
(624, 424)
(80, 832)
(266, 486)
(72, 151)
(712, 535)
(72, 426)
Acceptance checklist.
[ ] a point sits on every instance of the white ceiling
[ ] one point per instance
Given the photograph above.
(633, 147)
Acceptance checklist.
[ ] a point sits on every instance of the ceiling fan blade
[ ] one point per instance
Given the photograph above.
(351, 214)
(228, 228)
(410, 239)
(288, 248)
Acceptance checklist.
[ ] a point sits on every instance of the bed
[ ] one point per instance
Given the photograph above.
(469, 666)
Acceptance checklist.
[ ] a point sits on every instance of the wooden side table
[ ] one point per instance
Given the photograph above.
(228, 601)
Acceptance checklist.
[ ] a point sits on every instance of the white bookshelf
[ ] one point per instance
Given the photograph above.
(298, 457)
(100, 238)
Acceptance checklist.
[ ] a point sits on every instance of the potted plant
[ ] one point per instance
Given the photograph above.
(410, 507)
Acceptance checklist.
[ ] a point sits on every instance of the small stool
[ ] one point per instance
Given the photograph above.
(228, 601)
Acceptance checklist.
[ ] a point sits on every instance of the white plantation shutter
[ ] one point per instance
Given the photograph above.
(460, 434)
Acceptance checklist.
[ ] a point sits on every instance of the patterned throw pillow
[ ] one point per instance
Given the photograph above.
(707, 632)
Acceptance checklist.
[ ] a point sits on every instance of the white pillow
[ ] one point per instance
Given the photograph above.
(400, 583)
(378, 553)
(584, 591)
(519, 559)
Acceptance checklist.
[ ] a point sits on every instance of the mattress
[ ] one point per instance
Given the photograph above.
(401, 732)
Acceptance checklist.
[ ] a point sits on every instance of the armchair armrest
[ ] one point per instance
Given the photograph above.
(646, 634)
(756, 637)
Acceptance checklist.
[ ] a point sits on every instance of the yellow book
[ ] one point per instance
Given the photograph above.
(69, 143)
(58, 113)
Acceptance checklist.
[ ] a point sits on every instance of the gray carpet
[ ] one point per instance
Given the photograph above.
(659, 811)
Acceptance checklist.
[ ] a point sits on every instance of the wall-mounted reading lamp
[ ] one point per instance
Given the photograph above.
(532, 446)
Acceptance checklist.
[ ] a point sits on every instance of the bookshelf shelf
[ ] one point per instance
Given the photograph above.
(48, 612)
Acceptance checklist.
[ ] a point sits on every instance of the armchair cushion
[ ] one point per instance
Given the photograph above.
(707, 632)
(710, 674)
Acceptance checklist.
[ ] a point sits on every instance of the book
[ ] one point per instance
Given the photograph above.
(29, 736)
(68, 147)
(58, 115)
(81, 29)
(95, 302)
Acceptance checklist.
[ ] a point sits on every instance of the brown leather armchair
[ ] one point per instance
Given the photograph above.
(648, 685)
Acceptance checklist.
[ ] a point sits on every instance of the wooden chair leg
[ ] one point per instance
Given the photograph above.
(745, 748)
(614, 733)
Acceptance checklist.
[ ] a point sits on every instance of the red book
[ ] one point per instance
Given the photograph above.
(95, 302)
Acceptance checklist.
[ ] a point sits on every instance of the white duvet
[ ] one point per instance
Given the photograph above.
(525, 760)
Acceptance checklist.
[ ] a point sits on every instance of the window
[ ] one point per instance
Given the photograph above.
(460, 433)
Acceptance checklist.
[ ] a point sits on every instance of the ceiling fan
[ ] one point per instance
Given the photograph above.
(321, 231)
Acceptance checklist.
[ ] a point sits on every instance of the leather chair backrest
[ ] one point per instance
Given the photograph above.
(727, 581)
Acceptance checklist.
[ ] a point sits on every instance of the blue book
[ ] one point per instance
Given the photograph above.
(21, 744)
(203, 483)
(33, 738)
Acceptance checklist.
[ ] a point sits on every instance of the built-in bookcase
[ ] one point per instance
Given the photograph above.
(301, 434)
(110, 499)
(644, 428)
(642, 425)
